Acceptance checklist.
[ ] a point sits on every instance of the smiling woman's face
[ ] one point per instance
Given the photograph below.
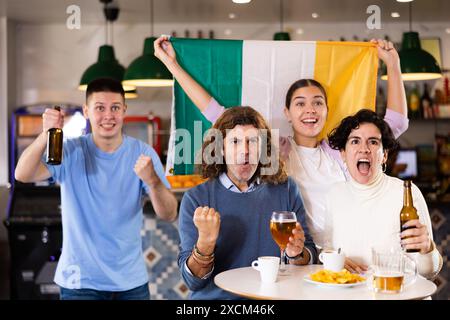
(307, 111)
(364, 153)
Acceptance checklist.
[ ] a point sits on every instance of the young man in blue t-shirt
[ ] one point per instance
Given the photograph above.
(103, 176)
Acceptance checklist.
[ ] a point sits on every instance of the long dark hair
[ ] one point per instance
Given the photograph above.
(301, 84)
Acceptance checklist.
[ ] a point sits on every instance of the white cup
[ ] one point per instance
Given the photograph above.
(332, 260)
(267, 267)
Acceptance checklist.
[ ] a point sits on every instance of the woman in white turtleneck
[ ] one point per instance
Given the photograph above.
(364, 211)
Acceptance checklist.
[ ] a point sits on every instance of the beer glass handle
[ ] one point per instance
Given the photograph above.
(414, 264)
(369, 277)
(370, 270)
(255, 265)
(320, 257)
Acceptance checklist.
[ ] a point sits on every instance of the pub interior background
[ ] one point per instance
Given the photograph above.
(42, 60)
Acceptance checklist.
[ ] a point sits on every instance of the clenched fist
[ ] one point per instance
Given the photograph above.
(52, 118)
(145, 171)
(164, 50)
(207, 222)
(386, 52)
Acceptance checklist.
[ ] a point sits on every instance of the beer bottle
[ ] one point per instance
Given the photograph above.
(414, 104)
(380, 103)
(446, 90)
(408, 211)
(426, 103)
(54, 144)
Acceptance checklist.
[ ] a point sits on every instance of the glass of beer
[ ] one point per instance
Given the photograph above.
(392, 270)
(281, 225)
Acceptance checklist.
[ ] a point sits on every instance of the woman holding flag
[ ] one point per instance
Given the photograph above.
(310, 162)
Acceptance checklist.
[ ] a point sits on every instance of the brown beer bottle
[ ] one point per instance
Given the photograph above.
(54, 144)
(408, 211)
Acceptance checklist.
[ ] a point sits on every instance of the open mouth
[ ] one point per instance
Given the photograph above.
(108, 126)
(363, 166)
(245, 163)
(310, 121)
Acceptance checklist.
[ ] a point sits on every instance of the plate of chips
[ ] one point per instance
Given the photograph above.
(341, 279)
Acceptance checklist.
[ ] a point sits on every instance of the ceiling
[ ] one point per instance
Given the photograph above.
(215, 11)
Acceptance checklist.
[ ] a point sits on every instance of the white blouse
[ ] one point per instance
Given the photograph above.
(315, 171)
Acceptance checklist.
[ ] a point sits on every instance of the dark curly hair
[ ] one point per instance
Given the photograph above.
(338, 137)
(227, 121)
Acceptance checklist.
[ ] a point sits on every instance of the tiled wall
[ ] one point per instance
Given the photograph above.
(160, 246)
(440, 217)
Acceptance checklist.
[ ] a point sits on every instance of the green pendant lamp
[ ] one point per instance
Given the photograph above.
(282, 35)
(147, 70)
(107, 66)
(131, 94)
(416, 63)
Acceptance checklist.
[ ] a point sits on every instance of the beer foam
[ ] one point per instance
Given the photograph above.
(284, 220)
(389, 275)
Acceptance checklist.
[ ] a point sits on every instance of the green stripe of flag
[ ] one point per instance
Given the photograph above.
(204, 60)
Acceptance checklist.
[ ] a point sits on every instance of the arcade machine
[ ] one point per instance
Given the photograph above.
(145, 128)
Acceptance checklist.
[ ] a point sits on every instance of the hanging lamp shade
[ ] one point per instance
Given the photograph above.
(416, 63)
(106, 66)
(131, 94)
(147, 70)
(282, 36)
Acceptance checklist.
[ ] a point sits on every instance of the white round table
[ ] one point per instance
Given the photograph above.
(246, 282)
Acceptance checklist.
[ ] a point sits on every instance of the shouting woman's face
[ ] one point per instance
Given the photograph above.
(364, 153)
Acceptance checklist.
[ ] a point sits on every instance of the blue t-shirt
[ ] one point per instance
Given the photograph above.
(101, 205)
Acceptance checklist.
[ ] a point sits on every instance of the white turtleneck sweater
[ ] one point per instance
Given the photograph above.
(360, 217)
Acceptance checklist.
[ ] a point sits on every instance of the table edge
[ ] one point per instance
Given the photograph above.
(258, 297)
